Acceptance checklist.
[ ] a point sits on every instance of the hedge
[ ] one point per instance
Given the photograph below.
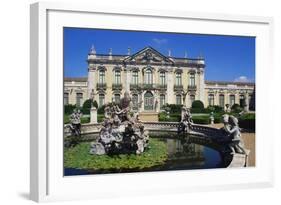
(173, 117)
(198, 104)
(68, 109)
(87, 106)
(248, 121)
(174, 108)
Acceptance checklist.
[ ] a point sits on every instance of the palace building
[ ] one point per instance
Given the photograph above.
(152, 79)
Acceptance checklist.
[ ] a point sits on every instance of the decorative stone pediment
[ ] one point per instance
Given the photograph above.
(148, 55)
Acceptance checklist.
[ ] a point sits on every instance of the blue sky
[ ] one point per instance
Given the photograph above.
(227, 58)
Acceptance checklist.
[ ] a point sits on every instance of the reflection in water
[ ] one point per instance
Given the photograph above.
(182, 155)
(185, 155)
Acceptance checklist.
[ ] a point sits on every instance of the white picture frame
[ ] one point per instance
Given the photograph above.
(47, 182)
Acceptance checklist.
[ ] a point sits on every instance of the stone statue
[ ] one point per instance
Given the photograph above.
(212, 119)
(186, 123)
(120, 133)
(92, 97)
(107, 111)
(232, 130)
(75, 128)
(75, 120)
(126, 106)
(156, 105)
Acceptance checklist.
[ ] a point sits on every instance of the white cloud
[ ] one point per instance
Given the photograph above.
(242, 79)
(160, 41)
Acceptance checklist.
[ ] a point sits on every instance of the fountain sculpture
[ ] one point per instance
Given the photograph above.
(120, 133)
(75, 128)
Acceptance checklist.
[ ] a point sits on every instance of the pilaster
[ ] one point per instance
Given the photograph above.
(170, 86)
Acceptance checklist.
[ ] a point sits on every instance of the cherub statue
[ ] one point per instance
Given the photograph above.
(126, 105)
(232, 129)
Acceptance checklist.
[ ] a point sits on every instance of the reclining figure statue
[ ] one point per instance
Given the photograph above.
(120, 133)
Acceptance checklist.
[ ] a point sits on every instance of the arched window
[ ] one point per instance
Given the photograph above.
(66, 98)
(135, 77)
(162, 76)
(148, 76)
(162, 100)
(231, 100)
(211, 99)
(117, 77)
(178, 78)
(221, 100)
(192, 79)
(101, 100)
(178, 99)
(101, 76)
(79, 99)
(117, 98)
(148, 101)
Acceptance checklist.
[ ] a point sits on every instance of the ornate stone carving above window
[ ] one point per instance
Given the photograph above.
(102, 67)
(178, 70)
(117, 68)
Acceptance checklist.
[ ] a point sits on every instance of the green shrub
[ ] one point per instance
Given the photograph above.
(248, 121)
(86, 106)
(214, 108)
(248, 116)
(175, 117)
(201, 119)
(198, 104)
(174, 108)
(197, 110)
(236, 108)
(68, 109)
(66, 119)
(101, 109)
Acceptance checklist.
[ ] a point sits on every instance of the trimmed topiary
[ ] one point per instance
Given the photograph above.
(198, 104)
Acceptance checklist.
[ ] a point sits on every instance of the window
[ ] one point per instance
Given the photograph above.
(178, 99)
(162, 78)
(249, 99)
(117, 79)
(162, 101)
(148, 101)
(192, 79)
(135, 101)
(135, 76)
(102, 77)
(117, 98)
(178, 78)
(242, 101)
(192, 98)
(221, 100)
(231, 100)
(211, 99)
(148, 77)
(101, 100)
(79, 98)
(65, 98)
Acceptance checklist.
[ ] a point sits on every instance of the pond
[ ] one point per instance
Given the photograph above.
(165, 153)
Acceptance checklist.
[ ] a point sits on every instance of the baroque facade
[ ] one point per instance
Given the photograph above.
(152, 79)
